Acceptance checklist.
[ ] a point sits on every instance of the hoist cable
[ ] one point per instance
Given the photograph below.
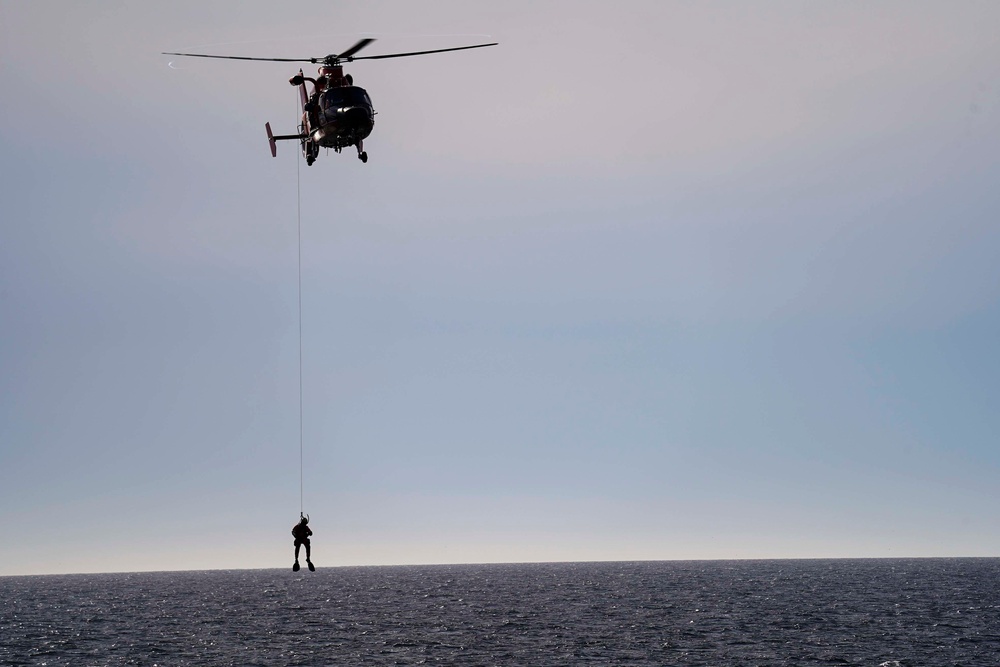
(298, 224)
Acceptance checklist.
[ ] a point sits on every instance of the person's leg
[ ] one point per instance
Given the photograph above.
(312, 568)
(297, 545)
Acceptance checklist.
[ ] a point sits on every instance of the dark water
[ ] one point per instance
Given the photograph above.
(892, 613)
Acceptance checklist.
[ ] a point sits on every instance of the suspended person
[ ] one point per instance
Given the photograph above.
(301, 533)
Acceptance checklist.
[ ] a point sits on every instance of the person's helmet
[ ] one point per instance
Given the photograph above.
(304, 519)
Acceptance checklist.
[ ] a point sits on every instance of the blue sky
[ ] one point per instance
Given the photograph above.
(653, 281)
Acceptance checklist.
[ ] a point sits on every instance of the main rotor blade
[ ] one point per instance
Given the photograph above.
(357, 47)
(280, 60)
(417, 53)
(334, 58)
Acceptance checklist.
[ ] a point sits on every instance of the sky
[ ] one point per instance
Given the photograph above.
(648, 280)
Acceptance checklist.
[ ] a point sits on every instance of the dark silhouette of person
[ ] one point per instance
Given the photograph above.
(301, 533)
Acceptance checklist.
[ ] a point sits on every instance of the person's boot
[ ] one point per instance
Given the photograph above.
(295, 568)
(312, 568)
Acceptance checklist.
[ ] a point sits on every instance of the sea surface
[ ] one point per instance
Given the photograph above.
(888, 613)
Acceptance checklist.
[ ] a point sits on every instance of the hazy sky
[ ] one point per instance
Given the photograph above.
(649, 280)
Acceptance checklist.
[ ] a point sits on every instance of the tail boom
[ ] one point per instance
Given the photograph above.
(272, 139)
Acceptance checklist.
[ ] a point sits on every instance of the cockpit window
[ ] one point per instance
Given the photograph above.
(346, 96)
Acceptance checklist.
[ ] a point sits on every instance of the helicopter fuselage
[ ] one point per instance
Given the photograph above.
(339, 117)
(335, 114)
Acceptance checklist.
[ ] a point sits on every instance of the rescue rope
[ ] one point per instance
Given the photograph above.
(298, 216)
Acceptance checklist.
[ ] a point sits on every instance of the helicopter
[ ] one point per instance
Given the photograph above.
(335, 113)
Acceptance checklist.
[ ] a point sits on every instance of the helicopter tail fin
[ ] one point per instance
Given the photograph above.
(273, 140)
(270, 140)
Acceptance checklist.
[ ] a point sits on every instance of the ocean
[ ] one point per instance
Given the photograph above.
(879, 613)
